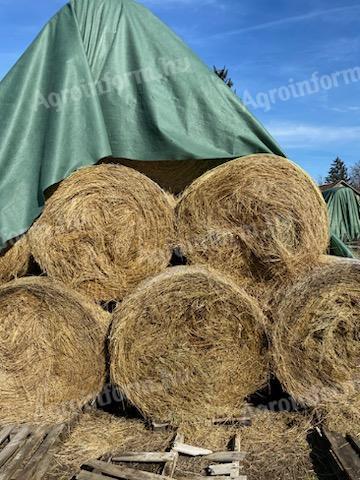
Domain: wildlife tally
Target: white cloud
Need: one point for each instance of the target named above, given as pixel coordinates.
(293, 135)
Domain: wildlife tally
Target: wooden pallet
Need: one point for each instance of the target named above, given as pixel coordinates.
(346, 453)
(222, 465)
(24, 451)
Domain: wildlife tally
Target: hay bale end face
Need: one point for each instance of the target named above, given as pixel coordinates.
(188, 342)
(14, 261)
(52, 358)
(316, 339)
(259, 215)
(104, 230)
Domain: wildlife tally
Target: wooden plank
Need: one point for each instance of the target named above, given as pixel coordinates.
(145, 457)
(191, 451)
(124, 473)
(39, 463)
(84, 475)
(13, 469)
(236, 464)
(355, 443)
(221, 469)
(345, 454)
(225, 457)
(13, 445)
(241, 421)
(170, 467)
(5, 433)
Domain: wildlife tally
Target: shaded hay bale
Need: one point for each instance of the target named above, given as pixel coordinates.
(258, 216)
(316, 338)
(188, 342)
(275, 445)
(52, 357)
(104, 230)
(172, 175)
(14, 261)
(99, 434)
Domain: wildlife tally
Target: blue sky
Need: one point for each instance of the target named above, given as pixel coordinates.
(267, 46)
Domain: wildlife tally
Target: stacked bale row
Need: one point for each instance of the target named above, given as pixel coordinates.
(190, 342)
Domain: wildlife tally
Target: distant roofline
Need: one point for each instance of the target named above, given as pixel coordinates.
(339, 184)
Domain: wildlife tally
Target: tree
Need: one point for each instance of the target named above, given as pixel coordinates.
(355, 176)
(223, 75)
(338, 171)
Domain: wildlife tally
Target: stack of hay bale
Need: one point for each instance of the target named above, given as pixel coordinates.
(187, 344)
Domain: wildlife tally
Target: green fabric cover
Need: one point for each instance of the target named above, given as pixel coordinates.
(344, 213)
(107, 78)
(339, 249)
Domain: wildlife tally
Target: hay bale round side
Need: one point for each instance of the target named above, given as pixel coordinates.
(259, 215)
(188, 342)
(316, 338)
(105, 229)
(172, 175)
(14, 261)
(52, 358)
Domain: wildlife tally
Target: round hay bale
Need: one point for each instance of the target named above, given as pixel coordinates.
(259, 215)
(99, 434)
(343, 416)
(14, 261)
(275, 444)
(172, 175)
(188, 342)
(52, 344)
(316, 338)
(105, 229)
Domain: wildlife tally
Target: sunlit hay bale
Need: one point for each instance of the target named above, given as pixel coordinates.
(275, 446)
(188, 342)
(52, 358)
(14, 261)
(172, 175)
(105, 229)
(316, 338)
(259, 216)
(99, 434)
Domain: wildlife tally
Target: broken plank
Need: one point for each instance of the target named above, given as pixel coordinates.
(190, 450)
(5, 433)
(221, 469)
(121, 472)
(145, 457)
(39, 463)
(225, 457)
(236, 448)
(14, 468)
(169, 467)
(13, 445)
(84, 475)
(345, 454)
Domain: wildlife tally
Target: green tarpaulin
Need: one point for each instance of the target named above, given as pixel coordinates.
(344, 213)
(339, 249)
(107, 78)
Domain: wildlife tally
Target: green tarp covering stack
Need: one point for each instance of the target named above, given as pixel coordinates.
(107, 78)
(344, 212)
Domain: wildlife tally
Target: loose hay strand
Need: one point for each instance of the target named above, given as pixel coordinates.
(188, 342)
(259, 216)
(52, 358)
(105, 229)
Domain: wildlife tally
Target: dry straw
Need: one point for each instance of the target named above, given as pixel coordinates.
(189, 342)
(99, 434)
(259, 215)
(52, 358)
(172, 175)
(316, 340)
(104, 230)
(14, 261)
(275, 444)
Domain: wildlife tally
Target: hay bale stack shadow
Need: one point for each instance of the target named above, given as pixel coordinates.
(188, 343)
(104, 230)
(259, 216)
(52, 351)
